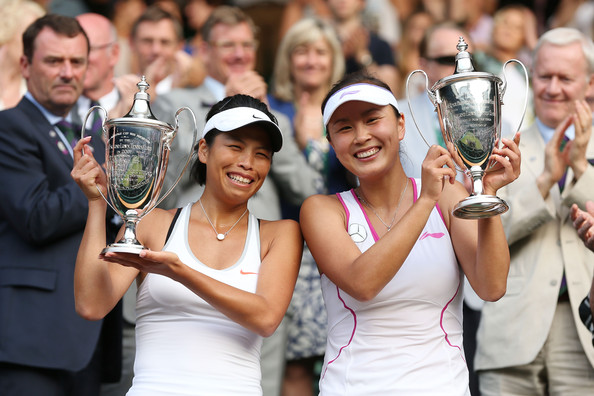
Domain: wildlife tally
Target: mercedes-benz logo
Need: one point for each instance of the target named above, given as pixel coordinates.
(357, 232)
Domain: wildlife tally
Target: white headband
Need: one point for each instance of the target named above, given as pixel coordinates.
(237, 117)
(361, 92)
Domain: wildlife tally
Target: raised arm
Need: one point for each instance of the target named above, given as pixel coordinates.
(98, 285)
(364, 275)
(480, 245)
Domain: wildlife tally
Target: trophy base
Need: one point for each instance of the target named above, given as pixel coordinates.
(123, 248)
(480, 207)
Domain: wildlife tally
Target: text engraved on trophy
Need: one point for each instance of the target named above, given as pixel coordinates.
(135, 155)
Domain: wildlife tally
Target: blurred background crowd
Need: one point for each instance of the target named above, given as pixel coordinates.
(290, 55)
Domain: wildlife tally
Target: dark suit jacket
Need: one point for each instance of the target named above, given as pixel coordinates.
(42, 217)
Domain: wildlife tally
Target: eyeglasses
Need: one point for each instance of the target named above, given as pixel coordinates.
(100, 47)
(229, 46)
(448, 60)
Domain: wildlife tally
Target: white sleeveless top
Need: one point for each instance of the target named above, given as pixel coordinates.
(184, 346)
(408, 339)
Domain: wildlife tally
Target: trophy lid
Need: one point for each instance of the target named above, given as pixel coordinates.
(140, 113)
(463, 59)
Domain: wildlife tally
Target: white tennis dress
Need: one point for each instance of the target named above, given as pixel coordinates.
(184, 345)
(408, 339)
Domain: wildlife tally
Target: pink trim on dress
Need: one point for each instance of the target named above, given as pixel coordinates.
(441, 214)
(441, 323)
(346, 210)
(352, 334)
(375, 236)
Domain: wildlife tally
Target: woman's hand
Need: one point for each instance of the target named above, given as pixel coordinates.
(583, 222)
(148, 261)
(438, 167)
(575, 150)
(86, 172)
(506, 168)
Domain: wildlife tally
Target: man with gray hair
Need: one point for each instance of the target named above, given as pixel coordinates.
(532, 342)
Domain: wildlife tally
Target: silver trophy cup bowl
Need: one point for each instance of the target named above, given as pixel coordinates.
(468, 104)
(137, 148)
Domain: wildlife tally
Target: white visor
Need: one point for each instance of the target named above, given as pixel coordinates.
(237, 117)
(359, 92)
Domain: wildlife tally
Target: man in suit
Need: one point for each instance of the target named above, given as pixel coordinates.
(531, 342)
(229, 54)
(45, 347)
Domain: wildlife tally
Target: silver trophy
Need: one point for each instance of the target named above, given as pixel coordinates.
(137, 150)
(468, 104)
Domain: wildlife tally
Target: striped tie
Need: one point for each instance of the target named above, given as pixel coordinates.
(97, 121)
(70, 131)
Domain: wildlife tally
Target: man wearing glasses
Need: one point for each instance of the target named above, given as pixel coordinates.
(438, 59)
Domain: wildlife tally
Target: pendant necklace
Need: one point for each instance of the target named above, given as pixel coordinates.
(220, 236)
(388, 226)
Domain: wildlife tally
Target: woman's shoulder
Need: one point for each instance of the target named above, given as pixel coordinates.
(285, 225)
(283, 234)
(321, 199)
(321, 207)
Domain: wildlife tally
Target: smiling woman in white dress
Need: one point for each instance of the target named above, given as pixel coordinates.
(214, 279)
(391, 254)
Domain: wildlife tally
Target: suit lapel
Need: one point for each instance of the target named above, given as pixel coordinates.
(47, 130)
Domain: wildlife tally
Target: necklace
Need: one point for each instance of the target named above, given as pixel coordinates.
(220, 236)
(389, 227)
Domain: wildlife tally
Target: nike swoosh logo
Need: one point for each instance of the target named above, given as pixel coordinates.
(436, 235)
(349, 93)
(242, 272)
(258, 118)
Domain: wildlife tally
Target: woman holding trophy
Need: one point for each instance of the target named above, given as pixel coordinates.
(392, 255)
(214, 279)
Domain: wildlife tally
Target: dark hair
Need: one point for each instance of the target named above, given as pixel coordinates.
(60, 24)
(357, 77)
(156, 14)
(198, 171)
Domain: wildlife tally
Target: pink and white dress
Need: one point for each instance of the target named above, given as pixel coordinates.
(408, 339)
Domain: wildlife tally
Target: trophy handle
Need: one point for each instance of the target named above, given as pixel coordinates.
(504, 86)
(190, 155)
(429, 93)
(82, 135)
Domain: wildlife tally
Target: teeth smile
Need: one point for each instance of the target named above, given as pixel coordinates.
(368, 153)
(240, 179)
